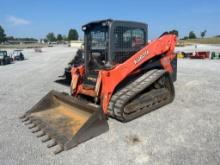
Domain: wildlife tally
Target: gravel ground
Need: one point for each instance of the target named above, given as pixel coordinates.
(198, 47)
(184, 132)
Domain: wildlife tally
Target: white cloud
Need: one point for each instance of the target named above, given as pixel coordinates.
(18, 21)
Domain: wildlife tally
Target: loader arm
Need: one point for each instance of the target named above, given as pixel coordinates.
(163, 45)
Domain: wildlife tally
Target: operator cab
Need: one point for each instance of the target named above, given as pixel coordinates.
(110, 42)
(3, 54)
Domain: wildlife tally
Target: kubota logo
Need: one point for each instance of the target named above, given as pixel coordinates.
(141, 57)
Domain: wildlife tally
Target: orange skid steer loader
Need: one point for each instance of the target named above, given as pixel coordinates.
(122, 76)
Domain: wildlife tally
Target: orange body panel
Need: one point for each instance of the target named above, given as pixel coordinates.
(109, 79)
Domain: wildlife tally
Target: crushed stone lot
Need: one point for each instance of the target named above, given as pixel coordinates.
(184, 132)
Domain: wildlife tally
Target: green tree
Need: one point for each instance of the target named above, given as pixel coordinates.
(2, 34)
(73, 34)
(185, 38)
(64, 37)
(8, 38)
(59, 37)
(192, 35)
(51, 37)
(45, 40)
(202, 34)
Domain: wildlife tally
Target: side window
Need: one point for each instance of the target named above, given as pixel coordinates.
(126, 42)
(137, 37)
(126, 37)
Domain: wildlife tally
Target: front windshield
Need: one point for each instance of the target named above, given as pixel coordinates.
(96, 46)
(2, 53)
(98, 38)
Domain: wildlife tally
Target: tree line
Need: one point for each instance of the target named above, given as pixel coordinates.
(4, 37)
(72, 35)
(50, 37)
(192, 35)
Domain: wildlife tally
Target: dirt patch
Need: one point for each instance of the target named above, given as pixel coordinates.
(132, 139)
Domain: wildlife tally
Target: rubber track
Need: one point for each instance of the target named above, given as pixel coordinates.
(121, 97)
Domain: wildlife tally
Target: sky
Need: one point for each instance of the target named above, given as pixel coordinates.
(36, 18)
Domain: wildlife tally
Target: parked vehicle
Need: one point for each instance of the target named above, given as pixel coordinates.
(199, 55)
(17, 55)
(4, 58)
(38, 50)
(76, 61)
(215, 55)
(50, 44)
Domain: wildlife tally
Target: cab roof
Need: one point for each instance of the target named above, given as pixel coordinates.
(110, 21)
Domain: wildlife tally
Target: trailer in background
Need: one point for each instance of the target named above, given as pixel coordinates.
(199, 55)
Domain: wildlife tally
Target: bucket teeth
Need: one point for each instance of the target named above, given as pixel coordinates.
(53, 143)
(36, 122)
(22, 117)
(28, 122)
(58, 149)
(25, 119)
(36, 130)
(42, 133)
(47, 138)
(32, 126)
(64, 121)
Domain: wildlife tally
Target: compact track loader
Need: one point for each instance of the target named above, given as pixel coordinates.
(122, 77)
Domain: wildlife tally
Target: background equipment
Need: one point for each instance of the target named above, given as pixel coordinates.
(4, 58)
(17, 55)
(75, 62)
